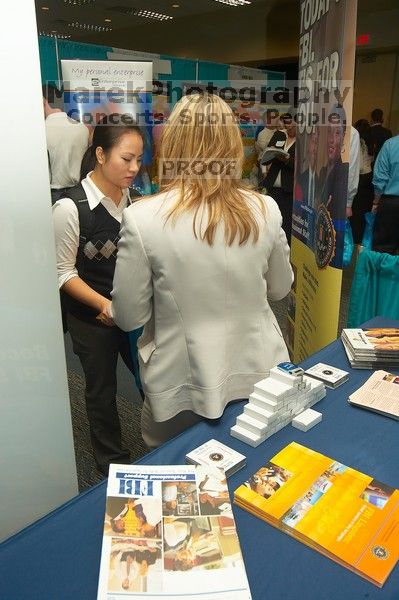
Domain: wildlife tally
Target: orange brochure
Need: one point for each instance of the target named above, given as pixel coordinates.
(344, 514)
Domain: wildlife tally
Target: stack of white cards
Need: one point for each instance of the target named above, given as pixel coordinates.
(307, 419)
(217, 454)
(331, 376)
(273, 404)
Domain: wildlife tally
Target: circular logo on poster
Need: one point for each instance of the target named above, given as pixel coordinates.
(325, 237)
(380, 552)
(216, 456)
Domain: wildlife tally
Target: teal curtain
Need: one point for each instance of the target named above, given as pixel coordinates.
(275, 78)
(374, 290)
(75, 50)
(66, 50)
(182, 70)
(48, 60)
(215, 72)
(133, 337)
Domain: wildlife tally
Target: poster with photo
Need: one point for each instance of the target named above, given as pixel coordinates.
(326, 69)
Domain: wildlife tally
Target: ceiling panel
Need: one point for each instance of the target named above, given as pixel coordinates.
(204, 29)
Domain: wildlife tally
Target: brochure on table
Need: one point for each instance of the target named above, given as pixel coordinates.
(169, 531)
(344, 514)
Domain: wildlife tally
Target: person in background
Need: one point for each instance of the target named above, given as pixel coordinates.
(363, 200)
(354, 169)
(386, 198)
(378, 134)
(271, 121)
(189, 260)
(279, 180)
(309, 179)
(85, 274)
(67, 141)
(334, 174)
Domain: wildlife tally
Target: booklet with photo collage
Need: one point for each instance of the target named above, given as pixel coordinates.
(169, 531)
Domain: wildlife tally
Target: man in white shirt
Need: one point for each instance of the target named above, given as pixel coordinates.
(67, 141)
(271, 120)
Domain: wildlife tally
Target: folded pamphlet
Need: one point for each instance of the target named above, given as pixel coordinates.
(270, 153)
(380, 394)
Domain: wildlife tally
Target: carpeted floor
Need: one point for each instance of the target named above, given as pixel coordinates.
(129, 413)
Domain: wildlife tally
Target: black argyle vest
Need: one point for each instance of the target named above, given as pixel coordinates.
(96, 257)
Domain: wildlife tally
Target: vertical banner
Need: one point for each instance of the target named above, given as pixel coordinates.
(115, 92)
(326, 67)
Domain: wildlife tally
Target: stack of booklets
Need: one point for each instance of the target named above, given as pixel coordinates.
(344, 514)
(169, 532)
(380, 394)
(372, 348)
(216, 454)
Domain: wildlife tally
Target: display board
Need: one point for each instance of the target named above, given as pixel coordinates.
(326, 68)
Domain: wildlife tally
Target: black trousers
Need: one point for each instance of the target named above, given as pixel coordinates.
(362, 203)
(285, 202)
(386, 227)
(98, 347)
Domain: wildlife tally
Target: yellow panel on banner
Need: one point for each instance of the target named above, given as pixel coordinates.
(313, 303)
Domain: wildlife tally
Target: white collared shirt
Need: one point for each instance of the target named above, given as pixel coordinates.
(67, 141)
(67, 230)
(354, 166)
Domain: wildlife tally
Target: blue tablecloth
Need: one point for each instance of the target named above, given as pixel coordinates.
(58, 557)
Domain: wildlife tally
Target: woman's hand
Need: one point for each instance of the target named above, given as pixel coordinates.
(104, 314)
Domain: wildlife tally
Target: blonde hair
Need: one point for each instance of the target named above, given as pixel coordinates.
(202, 130)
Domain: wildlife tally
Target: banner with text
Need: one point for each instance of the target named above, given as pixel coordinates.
(326, 67)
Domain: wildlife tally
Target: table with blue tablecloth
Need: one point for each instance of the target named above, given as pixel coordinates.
(58, 557)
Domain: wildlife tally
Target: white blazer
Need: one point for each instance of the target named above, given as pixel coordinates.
(209, 332)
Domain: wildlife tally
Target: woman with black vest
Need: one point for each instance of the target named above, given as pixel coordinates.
(87, 228)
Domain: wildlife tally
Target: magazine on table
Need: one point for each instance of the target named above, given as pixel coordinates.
(379, 342)
(169, 532)
(368, 362)
(380, 394)
(344, 514)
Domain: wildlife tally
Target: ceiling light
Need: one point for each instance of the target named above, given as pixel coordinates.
(45, 8)
(234, 2)
(53, 34)
(89, 26)
(141, 12)
(108, 20)
(149, 14)
(78, 2)
(175, 5)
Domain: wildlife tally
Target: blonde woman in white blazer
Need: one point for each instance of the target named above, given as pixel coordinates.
(196, 265)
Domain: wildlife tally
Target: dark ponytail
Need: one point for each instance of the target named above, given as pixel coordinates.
(88, 162)
(106, 135)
